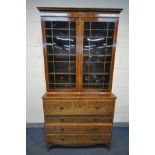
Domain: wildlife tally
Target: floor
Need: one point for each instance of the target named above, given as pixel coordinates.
(35, 144)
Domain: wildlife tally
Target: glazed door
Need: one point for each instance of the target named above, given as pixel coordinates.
(99, 42)
(79, 53)
(60, 53)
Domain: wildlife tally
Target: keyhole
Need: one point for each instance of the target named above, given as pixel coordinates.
(97, 107)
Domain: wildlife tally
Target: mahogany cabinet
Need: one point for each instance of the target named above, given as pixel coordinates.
(79, 50)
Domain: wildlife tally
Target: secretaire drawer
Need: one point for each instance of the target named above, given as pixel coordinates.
(78, 128)
(79, 139)
(55, 107)
(79, 119)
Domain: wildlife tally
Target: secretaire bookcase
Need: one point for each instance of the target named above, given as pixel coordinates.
(79, 50)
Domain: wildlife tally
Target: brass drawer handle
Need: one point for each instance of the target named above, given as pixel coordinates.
(61, 108)
(94, 139)
(97, 107)
(96, 119)
(62, 139)
(62, 129)
(61, 119)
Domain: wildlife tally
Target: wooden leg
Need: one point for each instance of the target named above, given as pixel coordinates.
(109, 146)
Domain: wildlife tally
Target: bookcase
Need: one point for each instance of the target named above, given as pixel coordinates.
(79, 47)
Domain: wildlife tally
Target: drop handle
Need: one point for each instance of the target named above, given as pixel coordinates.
(61, 108)
(62, 129)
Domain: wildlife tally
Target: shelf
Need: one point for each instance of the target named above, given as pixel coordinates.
(96, 62)
(60, 29)
(98, 37)
(61, 54)
(96, 55)
(96, 73)
(61, 83)
(61, 73)
(61, 37)
(96, 83)
(63, 61)
(101, 29)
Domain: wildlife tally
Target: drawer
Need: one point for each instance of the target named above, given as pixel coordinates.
(79, 139)
(79, 119)
(55, 107)
(78, 128)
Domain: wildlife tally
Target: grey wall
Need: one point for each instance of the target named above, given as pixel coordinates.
(35, 63)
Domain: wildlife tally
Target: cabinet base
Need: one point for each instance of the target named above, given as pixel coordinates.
(107, 146)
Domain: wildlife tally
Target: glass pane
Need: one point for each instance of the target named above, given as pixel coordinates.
(96, 78)
(48, 32)
(49, 49)
(60, 33)
(48, 24)
(110, 33)
(60, 24)
(107, 68)
(98, 33)
(72, 25)
(86, 25)
(111, 25)
(96, 67)
(51, 78)
(98, 25)
(61, 53)
(97, 54)
(85, 67)
(73, 79)
(98, 59)
(61, 67)
(72, 46)
(61, 78)
(72, 67)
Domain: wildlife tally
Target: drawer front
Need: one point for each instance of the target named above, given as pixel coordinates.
(79, 119)
(54, 107)
(80, 139)
(78, 128)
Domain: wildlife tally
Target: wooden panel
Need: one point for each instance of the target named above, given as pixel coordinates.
(53, 107)
(79, 119)
(78, 128)
(78, 139)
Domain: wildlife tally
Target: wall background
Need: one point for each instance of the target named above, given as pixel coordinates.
(35, 80)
